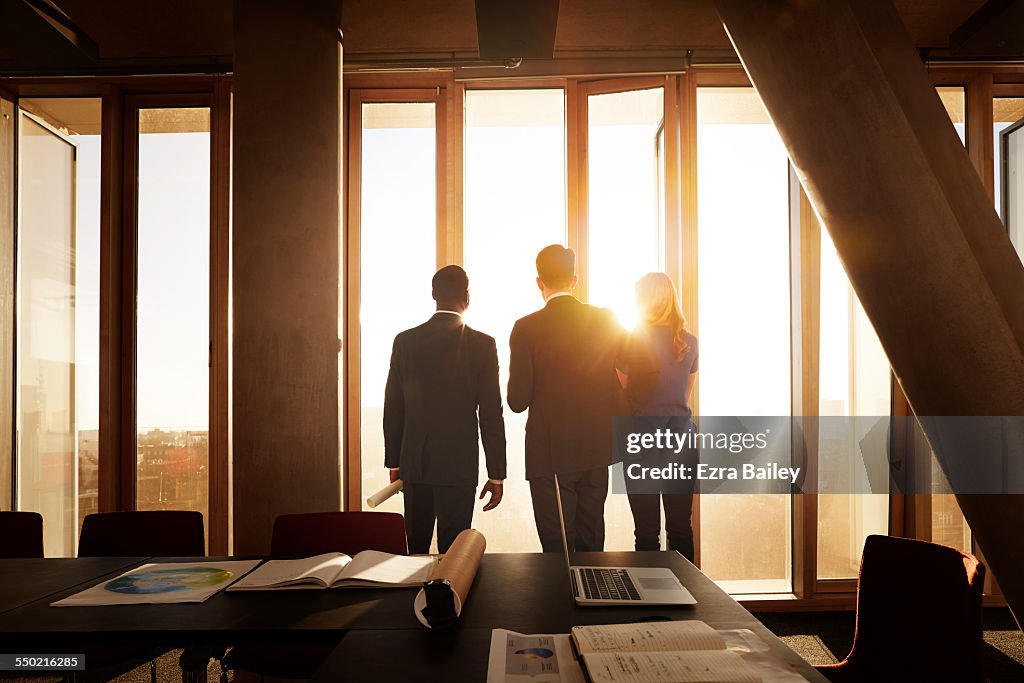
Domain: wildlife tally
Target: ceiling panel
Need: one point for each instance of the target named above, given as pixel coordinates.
(151, 29)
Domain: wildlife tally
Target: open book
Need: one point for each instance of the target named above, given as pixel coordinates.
(336, 570)
(659, 652)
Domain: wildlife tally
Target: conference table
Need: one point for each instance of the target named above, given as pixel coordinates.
(524, 592)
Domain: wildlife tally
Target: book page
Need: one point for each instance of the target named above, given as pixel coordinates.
(372, 566)
(669, 667)
(649, 636)
(309, 572)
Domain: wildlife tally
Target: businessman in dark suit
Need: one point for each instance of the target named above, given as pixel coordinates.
(562, 368)
(443, 375)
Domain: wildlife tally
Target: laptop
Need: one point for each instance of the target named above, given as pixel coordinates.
(620, 585)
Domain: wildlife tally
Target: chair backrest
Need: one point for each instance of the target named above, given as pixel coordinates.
(919, 612)
(166, 533)
(316, 533)
(22, 534)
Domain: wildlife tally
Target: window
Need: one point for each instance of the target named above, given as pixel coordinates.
(854, 381)
(173, 309)
(517, 191)
(58, 315)
(397, 254)
(623, 182)
(514, 150)
(1005, 112)
(744, 322)
(1008, 119)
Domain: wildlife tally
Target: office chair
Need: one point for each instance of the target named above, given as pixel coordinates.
(309, 534)
(919, 615)
(165, 533)
(22, 533)
(316, 533)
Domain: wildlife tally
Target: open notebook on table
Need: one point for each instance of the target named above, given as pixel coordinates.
(659, 652)
(338, 570)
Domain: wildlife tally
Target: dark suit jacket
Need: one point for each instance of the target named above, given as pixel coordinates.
(562, 368)
(442, 373)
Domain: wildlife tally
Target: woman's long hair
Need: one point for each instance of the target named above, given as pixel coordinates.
(658, 305)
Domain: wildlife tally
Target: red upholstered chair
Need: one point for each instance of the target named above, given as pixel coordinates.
(316, 533)
(22, 533)
(918, 615)
(165, 533)
(304, 535)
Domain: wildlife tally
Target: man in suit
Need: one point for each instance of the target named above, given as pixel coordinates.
(562, 368)
(443, 374)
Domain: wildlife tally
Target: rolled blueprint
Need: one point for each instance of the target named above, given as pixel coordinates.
(385, 493)
(439, 603)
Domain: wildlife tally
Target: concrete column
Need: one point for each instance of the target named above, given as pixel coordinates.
(286, 263)
(909, 216)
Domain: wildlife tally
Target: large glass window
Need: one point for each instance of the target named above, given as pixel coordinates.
(854, 380)
(397, 255)
(58, 315)
(744, 322)
(623, 174)
(173, 309)
(514, 203)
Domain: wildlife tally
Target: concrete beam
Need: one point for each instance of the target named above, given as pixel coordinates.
(910, 218)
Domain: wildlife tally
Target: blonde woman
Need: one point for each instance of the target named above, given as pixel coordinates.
(657, 370)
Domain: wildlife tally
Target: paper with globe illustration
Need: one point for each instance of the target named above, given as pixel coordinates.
(163, 583)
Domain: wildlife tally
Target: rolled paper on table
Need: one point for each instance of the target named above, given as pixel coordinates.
(385, 493)
(439, 603)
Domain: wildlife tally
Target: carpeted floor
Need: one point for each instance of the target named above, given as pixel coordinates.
(826, 637)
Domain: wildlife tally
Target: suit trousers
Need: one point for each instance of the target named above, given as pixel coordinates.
(583, 496)
(450, 506)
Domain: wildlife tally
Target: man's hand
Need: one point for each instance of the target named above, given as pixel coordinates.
(395, 474)
(495, 489)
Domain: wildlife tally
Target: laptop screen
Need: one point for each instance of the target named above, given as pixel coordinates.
(565, 542)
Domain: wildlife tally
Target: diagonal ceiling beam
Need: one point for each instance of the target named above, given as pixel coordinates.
(916, 231)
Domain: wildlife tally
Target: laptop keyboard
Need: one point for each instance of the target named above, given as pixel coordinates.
(607, 584)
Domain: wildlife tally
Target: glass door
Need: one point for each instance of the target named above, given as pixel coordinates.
(625, 169)
(1012, 147)
(623, 215)
(47, 451)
